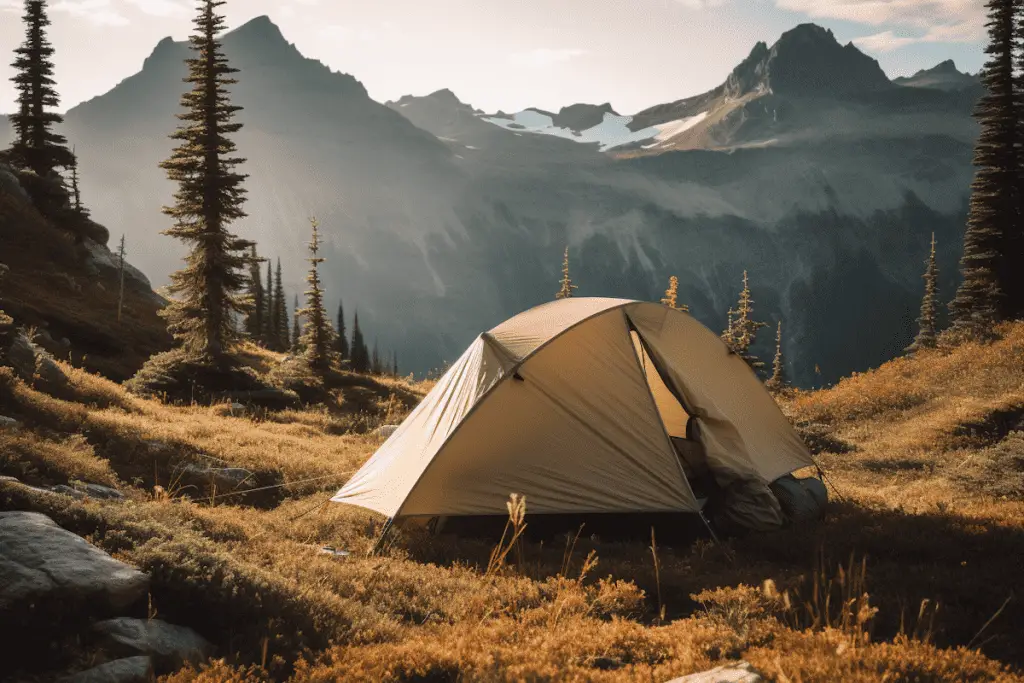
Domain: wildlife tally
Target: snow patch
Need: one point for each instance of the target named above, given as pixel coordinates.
(613, 131)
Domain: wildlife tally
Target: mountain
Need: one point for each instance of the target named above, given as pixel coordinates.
(943, 76)
(441, 221)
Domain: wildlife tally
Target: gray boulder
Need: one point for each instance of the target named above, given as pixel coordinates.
(739, 672)
(218, 479)
(170, 646)
(31, 362)
(129, 670)
(8, 422)
(81, 490)
(42, 563)
(9, 184)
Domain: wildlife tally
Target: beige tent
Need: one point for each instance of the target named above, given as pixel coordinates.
(584, 405)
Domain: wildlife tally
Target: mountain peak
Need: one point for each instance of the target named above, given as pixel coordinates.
(258, 27)
(946, 67)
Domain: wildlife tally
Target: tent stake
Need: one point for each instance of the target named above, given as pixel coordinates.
(711, 531)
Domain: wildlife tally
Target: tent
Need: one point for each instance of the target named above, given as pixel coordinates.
(586, 405)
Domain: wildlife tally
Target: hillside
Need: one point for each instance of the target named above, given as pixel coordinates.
(924, 453)
(69, 292)
(829, 210)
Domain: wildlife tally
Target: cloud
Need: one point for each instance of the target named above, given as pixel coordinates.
(934, 21)
(161, 8)
(886, 41)
(544, 56)
(96, 12)
(702, 4)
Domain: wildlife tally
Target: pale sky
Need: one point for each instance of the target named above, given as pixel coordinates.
(509, 54)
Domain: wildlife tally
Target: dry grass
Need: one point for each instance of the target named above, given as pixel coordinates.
(840, 601)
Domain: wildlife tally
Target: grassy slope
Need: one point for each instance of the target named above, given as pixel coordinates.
(249, 579)
(49, 287)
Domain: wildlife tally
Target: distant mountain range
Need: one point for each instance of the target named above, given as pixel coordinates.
(807, 167)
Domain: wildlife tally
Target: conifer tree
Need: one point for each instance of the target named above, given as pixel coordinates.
(268, 331)
(394, 363)
(318, 336)
(121, 253)
(671, 295)
(343, 351)
(567, 286)
(36, 146)
(78, 210)
(742, 331)
(991, 287)
(254, 321)
(296, 335)
(210, 196)
(927, 322)
(360, 355)
(280, 313)
(778, 381)
(375, 363)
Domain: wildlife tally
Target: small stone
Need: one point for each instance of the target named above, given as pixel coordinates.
(128, 670)
(170, 646)
(8, 423)
(738, 672)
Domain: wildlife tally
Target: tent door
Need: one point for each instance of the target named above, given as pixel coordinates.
(681, 426)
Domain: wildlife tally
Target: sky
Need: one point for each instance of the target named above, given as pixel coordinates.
(509, 54)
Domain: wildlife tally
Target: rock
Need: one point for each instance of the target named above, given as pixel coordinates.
(41, 562)
(66, 491)
(48, 371)
(9, 183)
(170, 646)
(83, 490)
(11, 480)
(129, 670)
(385, 430)
(220, 479)
(31, 362)
(739, 672)
(8, 423)
(237, 409)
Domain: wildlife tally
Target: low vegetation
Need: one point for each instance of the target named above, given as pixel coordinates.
(912, 576)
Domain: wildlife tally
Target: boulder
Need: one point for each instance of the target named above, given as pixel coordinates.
(738, 672)
(218, 479)
(82, 490)
(385, 431)
(31, 362)
(169, 646)
(129, 670)
(42, 564)
(9, 184)
(8, 422)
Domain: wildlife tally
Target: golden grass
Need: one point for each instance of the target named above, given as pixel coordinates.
(255, 583)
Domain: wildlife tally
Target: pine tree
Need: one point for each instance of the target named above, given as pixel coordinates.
(280, 313)
(318, 336)
(360, 355)
(742, 331)
(121, 253)
(36, 146)
(927, 323)
(394, 364)
(78, 211)
(992, 224)
(375, 363)
(254, 321)
(671, 295)
(567, 286)
(778, 381)
(210, 196)
(342, 343)
(296, 334)
(268, 332)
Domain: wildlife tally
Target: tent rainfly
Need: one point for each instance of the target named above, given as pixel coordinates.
(583, 405)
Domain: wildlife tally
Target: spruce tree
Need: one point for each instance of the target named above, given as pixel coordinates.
(78, 211)
(342, 348)
(210, 196)
(567, 286)
(360, 354)
(296, 334)
(376, 368)
(927, 322)
(36, 146)
(991, 286)
(121, 253)
(280, 314)
(742, 330)
(778, 381)
(254, 321)
(671, 295)
(394, 364)
(268, 333)
(318, 336)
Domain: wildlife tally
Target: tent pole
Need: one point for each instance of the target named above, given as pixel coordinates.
(383, 535)
(825, 477)
(707, 524)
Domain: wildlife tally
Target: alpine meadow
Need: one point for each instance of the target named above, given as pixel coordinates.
(303, 378)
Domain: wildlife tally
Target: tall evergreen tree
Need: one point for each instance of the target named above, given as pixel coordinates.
(376, 367)
(318, 336)
(78, 210)
(280, 313)
(742, 331)
(394, 363)
(36, 146)
(360, 354)
(672, 294)
(567, 286)
(343, 351)
(991, 287)
(927, 322)
(121, 253)
(210, 196)
(268, 332)
(254, 320)
(296, 336)
(778, 381)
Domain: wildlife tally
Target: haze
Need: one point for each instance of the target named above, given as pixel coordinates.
(511, 55)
